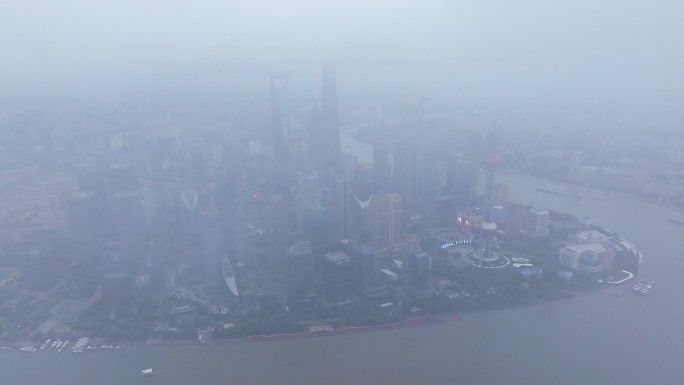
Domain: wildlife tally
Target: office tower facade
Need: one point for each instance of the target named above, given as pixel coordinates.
(280, 130)
(308, 194)
(359, 201)
(329, 119)
(349, 163)
(188, 200)
(362, 185)
(433, 176)
(462, 181)
(367, 264)
(386, 220)
(536, 222)
(404, 174)
(323, 128)
(316, 141)
(225, 203)
(338, 275)
(277, 228)
(211, 251)
(339, 207)
(359, 215)
(300, 270)
(130, 224)
(381, 169)
(318, 228)
(416, 269)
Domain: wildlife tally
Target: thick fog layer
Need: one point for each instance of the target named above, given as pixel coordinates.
(617, 56)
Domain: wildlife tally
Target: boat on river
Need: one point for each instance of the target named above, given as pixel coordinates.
(147, 372)
(28, 349)
(643, 287)
(45, 344)
(80, 345)
(64, 345)
(549, 191)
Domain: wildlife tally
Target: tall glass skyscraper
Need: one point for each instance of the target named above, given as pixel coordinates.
(280, 126)
(323, 128)
(330, 122)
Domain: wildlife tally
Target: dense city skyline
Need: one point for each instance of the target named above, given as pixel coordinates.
(496, 186)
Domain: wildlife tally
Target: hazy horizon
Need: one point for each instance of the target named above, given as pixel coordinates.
(616, 58)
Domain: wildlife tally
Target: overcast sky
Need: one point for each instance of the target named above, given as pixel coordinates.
(605, 50)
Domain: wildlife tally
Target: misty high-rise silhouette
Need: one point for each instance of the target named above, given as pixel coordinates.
(323, 127)
(280, 126)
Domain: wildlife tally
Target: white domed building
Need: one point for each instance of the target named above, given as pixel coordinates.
(592, 257)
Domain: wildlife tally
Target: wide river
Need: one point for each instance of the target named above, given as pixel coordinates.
(592, 339)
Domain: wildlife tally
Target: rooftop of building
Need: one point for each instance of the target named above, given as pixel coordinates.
(337, 257)
(451, 234)
(590, 235)
(538, 211)
(593, 246)
(361, 247)
(300, 248)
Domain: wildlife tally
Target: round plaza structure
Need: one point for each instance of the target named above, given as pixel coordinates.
(488, 255)
(452, 237)
(496, 260)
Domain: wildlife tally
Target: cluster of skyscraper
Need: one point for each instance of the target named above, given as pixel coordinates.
(351, 218)
(318, 213)
(171, 209)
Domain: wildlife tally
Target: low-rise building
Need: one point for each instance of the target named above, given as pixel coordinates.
(338, 275)
(536, 222)
(592, 257)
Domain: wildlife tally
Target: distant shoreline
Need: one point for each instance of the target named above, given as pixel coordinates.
(410, 322)
(423, 320)
(623, 194)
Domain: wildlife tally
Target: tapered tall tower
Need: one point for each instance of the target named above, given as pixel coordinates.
(491, 163)
(280, 127)
(488, 228)
(329, 118)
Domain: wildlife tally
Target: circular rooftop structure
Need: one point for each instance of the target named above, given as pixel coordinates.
(451, 234)
(495, 260)
(300, 248)
(590, 258)
(453, 237)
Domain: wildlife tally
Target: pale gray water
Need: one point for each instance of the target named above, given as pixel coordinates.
(594, 339)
